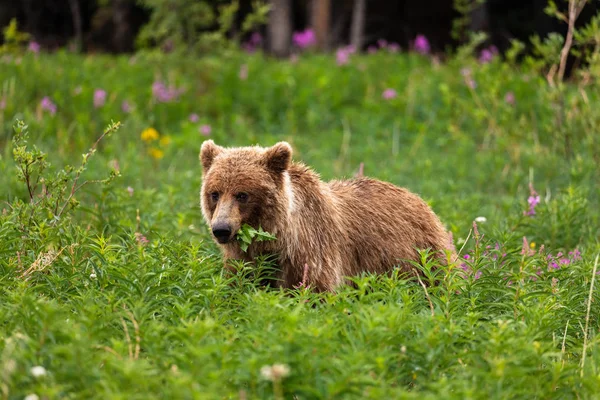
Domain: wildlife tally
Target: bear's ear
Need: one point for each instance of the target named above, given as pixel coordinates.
(278, 157)
(208, 152)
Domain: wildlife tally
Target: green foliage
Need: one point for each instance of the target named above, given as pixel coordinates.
(189, 25)
(125, 295)
(13, 38)
(247, 234)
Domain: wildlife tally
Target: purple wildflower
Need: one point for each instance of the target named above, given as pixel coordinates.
(382, 43)
(194, 118)
(488, 54)
(371, 49)
(205, 130)
(509, 98)
(342, 55)
(533, 200)
(477, 275)
(421, 44)
(34, 47)
(141, 239)
(254, 42)
(47, 105)
(466, 257)
(126, 107)
(304, 39)
(164, 94)
(99, 97)
(389, 94)
(575, 255)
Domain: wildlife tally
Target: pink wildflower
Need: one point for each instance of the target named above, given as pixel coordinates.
(126, 107)
(342, 55)
(2, 103)
(141, 239)
(99, 97)
(304, 39)
(488, 54)
(421, 44)
(509, 98)
(205, 130)
(533, 200)
(34, 47)
(47, 105)
(389, 94)
(194, 118)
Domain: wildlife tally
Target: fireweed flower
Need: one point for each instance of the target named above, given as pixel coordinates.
(205, 130)
(99, 97)
(141, 239)
(47, 105)
(126, 107)
(533, 200)
(488, 54)
(509, 98)
(149, 135)
(34, 47)
(253, 43)
(304, 39)
(342, 55)
(382, 43)
(389, 94)
(194, 118)
(421, 45)
(164, 94)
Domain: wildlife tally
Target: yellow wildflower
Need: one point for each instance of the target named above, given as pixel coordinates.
(156, 153)
(149, 134)
(165, 140)
(532, 245)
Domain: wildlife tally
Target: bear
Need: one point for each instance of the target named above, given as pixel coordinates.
(325, 231)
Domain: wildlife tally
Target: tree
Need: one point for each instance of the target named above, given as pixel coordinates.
(280, 27)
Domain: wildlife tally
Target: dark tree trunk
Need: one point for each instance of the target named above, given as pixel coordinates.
(358, 24)
(121, 35)
(280, 28)
(77, 24)
(320, 17)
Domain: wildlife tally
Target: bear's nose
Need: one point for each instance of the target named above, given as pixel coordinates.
(222, 232)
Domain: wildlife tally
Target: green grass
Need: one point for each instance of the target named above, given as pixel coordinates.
(110, 316)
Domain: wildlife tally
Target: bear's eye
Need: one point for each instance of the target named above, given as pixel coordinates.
(214, 196)
(242, 197)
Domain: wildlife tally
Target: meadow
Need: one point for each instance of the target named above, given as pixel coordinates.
(111, 287)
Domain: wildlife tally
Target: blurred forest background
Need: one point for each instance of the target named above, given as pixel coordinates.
(115, 25)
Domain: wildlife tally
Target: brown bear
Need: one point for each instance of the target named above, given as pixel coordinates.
(336, 229)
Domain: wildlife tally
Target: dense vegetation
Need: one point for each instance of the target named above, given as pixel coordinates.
(114, 289)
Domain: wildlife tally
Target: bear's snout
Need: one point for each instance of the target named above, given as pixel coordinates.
(222, 232)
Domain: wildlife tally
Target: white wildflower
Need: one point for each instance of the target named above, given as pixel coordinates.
(92, 275)
(275, 372)
(481, 219)
(38, 371)
(31, 396)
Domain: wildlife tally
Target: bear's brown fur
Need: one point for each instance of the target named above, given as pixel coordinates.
(338, 229)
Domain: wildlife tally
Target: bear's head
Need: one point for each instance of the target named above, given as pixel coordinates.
(244, 185)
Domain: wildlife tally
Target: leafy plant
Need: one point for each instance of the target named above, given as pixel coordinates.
(247, 234)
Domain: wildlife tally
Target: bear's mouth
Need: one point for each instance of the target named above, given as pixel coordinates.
(222, 240)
